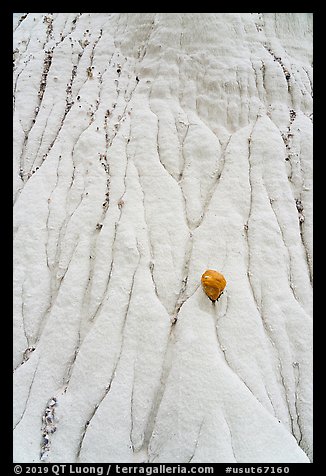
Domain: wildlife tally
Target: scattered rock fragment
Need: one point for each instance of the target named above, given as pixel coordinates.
(48, 428)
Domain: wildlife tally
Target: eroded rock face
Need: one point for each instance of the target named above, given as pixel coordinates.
(147, 149)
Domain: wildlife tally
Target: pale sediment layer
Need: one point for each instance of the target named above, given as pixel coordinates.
(147, 149)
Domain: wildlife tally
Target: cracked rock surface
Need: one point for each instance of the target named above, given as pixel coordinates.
(149, 147)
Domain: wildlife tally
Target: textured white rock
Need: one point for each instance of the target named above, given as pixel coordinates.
(148, 148)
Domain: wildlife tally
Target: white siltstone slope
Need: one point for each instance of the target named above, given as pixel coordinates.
(149, 147)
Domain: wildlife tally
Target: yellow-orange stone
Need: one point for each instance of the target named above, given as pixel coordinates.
(213, 283)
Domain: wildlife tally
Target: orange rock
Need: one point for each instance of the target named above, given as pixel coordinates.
(213, 283)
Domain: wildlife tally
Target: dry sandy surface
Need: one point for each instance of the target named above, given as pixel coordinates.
(149, 148)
